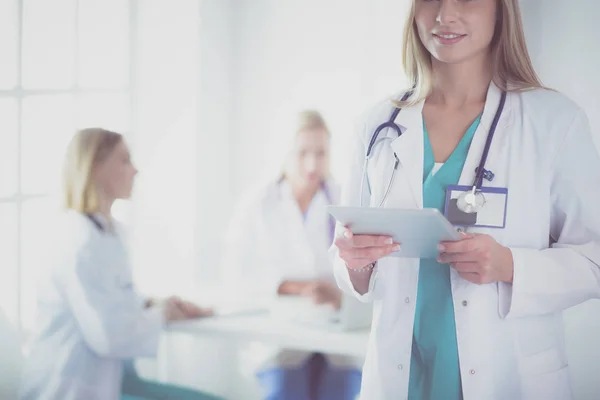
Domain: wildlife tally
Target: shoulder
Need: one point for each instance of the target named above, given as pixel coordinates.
(376, 115)
(75, 229)
(549, 108)
(76, 238)
(548, 120)
(334, 190)
(260, 195)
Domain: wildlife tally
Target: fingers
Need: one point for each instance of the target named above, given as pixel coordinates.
(349, 240)
(460, 246)
(364, 256)
(193, 311)
(472, 256)
(467, 268)
(205, 312)
(173, 312)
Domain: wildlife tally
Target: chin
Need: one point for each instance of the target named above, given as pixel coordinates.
(125, 196)
(451, 57)
(313, 180)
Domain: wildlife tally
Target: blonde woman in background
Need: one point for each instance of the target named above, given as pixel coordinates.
(483, 320)
(91, 321)
(277, 246)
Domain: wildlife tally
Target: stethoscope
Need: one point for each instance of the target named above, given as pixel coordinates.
(468, 202)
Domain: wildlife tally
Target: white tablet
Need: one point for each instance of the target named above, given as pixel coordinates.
(419, 231)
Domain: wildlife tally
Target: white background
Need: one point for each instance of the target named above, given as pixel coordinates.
(205, 91)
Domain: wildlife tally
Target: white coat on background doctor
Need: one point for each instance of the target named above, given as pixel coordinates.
(277, 245)
(507, 286)
(90, 318)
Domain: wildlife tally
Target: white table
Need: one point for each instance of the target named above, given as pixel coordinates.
(237, 330)
(263, 327)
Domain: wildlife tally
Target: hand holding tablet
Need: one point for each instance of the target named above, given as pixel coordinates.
(376, 231)
(361, 251)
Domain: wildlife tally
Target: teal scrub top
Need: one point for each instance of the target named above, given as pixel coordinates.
(434, 370)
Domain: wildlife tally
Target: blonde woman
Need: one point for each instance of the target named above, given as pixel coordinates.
(484, 319)
(277, 246)
(91, 320)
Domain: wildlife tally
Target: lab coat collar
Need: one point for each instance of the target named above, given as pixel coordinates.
(409, 147)
(102, 220)
(492, 102)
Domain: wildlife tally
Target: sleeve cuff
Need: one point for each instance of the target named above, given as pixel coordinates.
(512, 301)
(345, 283)
(156, 323)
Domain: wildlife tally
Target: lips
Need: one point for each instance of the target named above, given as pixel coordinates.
(448, 38)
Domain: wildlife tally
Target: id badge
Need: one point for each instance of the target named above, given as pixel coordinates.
(491, 211)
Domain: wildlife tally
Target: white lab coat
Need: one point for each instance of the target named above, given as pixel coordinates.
(268, 242)
(510, 337)
(89, 317)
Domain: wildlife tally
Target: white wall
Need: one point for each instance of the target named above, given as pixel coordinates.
(263, 60)
(337, 55)
(563, 37)
(182, 131)
(342, 55)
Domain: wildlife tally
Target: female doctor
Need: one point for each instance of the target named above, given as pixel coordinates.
(90, 318)
(277, 245)
(484, 319)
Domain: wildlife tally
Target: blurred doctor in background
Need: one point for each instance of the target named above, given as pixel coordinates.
(277, 245)
(91, 321)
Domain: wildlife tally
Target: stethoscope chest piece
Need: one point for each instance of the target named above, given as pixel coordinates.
(471, 202)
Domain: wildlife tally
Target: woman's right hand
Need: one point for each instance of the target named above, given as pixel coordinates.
(172, 311)
(176, 309)
(359, 251)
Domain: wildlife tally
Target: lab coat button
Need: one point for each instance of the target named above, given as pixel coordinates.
(465, 303)
(472, 372)
(407, 300)
(400, 367)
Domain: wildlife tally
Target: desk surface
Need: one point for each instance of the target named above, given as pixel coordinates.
(266, 328)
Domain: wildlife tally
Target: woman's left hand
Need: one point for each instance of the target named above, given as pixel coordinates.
(478, 259)
(323, 292)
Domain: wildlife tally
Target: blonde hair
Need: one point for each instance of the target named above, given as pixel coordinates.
(310, 120)
(306, 120)
(87, 149)
(512, 67)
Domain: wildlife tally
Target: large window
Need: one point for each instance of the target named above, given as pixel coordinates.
(66, 64)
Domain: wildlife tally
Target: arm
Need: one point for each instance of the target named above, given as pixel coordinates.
(568, 273)
(293, 287)
(359, 283)
(108, 312)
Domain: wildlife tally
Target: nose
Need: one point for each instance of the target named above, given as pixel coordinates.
(310, 164)
(448, 12)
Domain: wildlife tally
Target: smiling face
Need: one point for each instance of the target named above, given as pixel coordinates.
(456, 31)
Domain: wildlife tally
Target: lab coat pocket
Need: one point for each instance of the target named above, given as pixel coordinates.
(553, 385)
(543, 363)
(535, 334)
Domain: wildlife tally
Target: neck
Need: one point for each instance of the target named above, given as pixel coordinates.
(303, 192)
(457, 85)
(105, 207)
